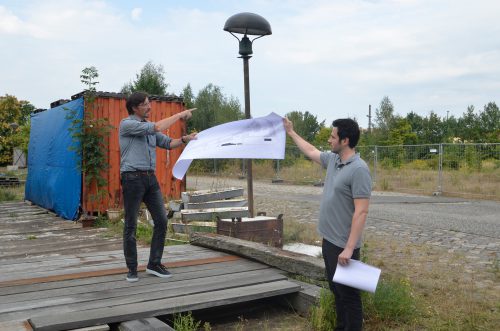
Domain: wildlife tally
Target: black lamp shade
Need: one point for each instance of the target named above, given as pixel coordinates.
(249, 24)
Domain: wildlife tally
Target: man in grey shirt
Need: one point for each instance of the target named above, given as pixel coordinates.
(138, 141)
(343, 210)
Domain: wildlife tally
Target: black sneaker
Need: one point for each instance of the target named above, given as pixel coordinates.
(158, 270)
(132, 276)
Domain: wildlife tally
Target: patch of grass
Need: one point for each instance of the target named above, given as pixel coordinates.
(393, 303)
(7, 194)
(305, 233)
(323, 316)
(31, 237)
(101, 222)
(185, 322)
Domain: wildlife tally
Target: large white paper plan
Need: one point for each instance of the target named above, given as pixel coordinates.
(358, 275)
(256, 138)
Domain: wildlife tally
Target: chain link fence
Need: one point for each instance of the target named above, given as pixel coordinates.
(462, 170)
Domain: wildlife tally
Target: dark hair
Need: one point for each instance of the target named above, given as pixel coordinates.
(134, 100)
(347, 128)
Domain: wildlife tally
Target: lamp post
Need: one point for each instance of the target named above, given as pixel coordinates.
(253, 25)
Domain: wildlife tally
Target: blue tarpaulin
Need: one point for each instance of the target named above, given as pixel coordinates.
(54, 179)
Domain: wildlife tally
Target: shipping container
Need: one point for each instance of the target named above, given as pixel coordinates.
(111, 106)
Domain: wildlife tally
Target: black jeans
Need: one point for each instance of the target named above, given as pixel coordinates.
(141, 187)
(347, 299)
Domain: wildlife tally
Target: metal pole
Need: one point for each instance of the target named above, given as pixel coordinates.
(440, 170)
(248, 116)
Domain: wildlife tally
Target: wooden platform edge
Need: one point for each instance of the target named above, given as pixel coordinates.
(162, 307)
(292, 262)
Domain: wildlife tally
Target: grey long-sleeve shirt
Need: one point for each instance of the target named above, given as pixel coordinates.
(138, 142)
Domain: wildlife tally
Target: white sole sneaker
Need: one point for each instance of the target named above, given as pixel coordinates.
(152, 272)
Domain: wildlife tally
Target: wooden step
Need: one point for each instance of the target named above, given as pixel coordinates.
(212, 213)
(211, 195)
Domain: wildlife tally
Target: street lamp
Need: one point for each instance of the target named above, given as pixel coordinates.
(253, 25)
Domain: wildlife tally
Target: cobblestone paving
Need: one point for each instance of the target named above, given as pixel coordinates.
(392, 216)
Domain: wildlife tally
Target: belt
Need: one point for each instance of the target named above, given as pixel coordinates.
(140, 172)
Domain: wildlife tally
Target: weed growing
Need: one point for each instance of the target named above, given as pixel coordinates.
(323, 316)
(7, 194)
(186, 322)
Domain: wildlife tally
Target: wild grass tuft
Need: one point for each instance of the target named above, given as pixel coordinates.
(393, 302)
(7, 195)
(186, 322)
(323, 316)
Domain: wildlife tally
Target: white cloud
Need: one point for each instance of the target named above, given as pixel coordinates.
(136, 14)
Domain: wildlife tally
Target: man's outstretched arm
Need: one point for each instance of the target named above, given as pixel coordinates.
(309, 150)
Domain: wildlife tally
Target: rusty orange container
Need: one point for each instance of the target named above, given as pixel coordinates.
(111, 106)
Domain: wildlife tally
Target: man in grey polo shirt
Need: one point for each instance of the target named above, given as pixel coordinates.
(343, 210)
(138, 141)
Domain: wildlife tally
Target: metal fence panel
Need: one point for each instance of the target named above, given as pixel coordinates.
(465, 170)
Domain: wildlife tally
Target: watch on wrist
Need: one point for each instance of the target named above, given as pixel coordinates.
(183, 141)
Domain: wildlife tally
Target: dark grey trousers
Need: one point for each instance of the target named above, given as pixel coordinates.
(141, 187)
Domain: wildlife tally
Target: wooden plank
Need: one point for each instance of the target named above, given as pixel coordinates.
(91, 245)
(296, 263)
(213, 213)
(211, 195)
(70, 302)
(123, 270)
(62, 321)
(100, 262)
(229, 203)
(98, 269)
(188, 251)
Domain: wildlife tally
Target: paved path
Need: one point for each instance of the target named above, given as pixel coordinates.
(470, 227)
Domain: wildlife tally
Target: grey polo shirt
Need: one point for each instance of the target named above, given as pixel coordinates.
(344, 182)
(138, 142)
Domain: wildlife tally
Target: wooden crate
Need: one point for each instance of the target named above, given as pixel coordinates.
(263, 229)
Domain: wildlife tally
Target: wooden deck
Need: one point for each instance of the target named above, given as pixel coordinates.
(55, 275)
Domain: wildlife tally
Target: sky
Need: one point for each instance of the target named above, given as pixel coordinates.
(332, 58)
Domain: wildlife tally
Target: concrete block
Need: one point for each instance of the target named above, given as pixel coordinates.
(145, 324)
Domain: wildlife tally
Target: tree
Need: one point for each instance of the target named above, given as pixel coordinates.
(151, 79)
(187, 95)
(14, 126)
(384, 115)
(213, 108)
(321, 138)
(305, 124)
(489, 120)
(468, 126)
(416, 122)
(433, 131)
(401, 133)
